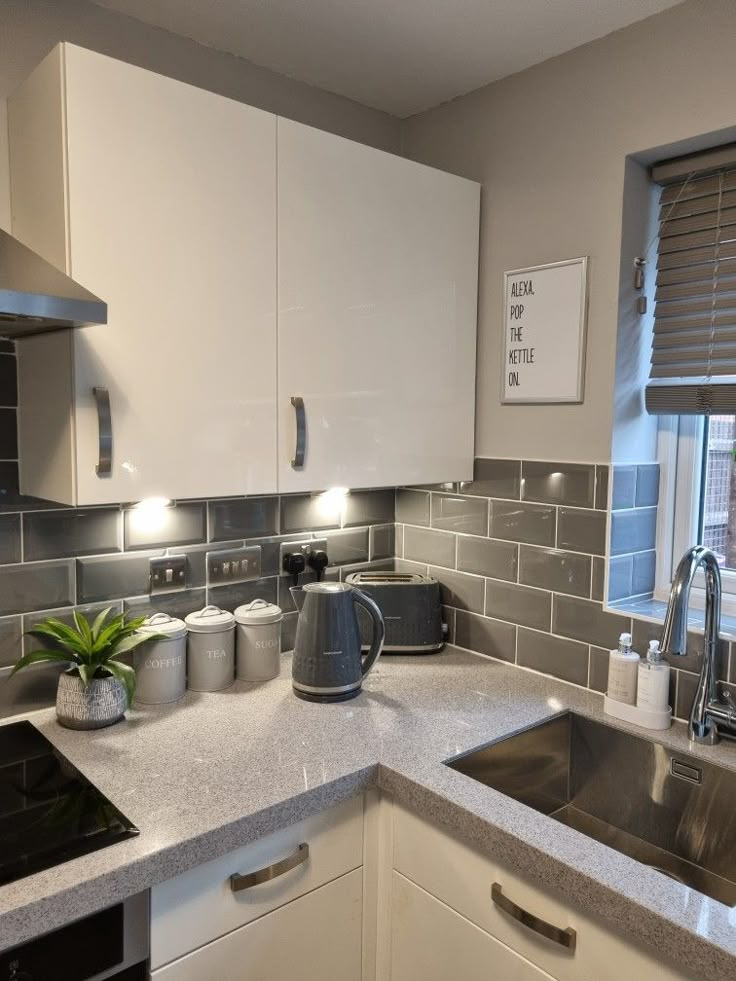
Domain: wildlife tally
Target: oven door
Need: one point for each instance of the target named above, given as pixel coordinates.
(111, 944)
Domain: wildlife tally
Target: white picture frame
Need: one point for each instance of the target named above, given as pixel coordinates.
(545, 323)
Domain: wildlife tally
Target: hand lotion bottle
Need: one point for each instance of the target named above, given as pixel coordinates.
(653, 691)
(622, 672)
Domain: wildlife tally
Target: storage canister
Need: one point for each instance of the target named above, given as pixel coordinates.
(210, 649)
(161, 664)
(258, 641)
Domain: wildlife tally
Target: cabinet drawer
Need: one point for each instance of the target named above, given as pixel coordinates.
(200, 905)
(315, 938)
(431, 942)
(462, 878)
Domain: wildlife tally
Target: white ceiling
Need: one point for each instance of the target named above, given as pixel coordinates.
(402, 56)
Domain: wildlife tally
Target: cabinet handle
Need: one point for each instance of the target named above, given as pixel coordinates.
(564, 937)
(301, 432)
(104, 425)
(239, 882)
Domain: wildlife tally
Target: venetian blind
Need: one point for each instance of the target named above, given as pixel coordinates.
(693, 362)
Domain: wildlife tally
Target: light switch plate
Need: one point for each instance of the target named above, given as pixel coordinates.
(168, 573)
(233, 565)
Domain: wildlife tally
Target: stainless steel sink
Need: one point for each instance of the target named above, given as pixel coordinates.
(666, 809)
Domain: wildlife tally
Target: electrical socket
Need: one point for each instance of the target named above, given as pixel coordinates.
(167, 573)
(233, 565)
(305, 547)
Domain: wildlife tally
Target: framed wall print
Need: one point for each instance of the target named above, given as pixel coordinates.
(545, 314)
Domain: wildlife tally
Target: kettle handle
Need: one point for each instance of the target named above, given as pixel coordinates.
(379, 629)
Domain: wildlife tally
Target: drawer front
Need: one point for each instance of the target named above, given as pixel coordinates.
(431, 942)
(462, 878)
(201, 905)
(315, 938)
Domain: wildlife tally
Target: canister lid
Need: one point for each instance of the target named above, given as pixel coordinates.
(209, 620)
(162, 623)
(259, 611)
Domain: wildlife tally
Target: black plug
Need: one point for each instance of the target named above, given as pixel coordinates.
(294, 564)
(318, 561)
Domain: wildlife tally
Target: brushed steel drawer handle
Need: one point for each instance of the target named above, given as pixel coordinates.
(564, 937)
(239, 882)
(301, 432)
(104, 424)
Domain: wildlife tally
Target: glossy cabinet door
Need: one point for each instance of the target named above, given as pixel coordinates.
(378, 267)
(431, 942)
(169, 212)
(314, 938)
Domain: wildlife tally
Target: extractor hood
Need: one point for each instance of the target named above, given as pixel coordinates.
(36, 297)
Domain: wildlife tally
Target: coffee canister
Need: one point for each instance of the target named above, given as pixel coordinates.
(210, 649)
(161, 664)
(258, 641)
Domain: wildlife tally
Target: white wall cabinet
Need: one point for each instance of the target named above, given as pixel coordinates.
(237, 276)
(378, 271)
(161, 199)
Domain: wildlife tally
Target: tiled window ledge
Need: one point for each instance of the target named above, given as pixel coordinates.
(654, 611)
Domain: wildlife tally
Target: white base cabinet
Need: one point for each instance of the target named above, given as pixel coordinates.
(315, 938)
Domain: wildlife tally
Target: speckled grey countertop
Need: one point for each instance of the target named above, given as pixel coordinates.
(217, 771)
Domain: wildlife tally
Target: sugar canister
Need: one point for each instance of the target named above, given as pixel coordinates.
(258, 641)
(161, 664)
(210, 649)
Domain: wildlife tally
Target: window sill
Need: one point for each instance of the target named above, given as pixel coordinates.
(654, 611)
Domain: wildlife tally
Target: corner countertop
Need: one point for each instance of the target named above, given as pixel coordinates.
(219, 770)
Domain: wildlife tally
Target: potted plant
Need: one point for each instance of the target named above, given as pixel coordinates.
(98, 687)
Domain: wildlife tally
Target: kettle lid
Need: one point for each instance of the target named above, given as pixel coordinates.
(327, 587)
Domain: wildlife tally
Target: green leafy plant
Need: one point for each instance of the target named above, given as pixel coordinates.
(92, 649)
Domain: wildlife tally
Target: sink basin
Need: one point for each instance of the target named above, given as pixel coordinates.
(668, 810)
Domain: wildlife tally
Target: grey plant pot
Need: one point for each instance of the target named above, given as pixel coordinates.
(99, 704)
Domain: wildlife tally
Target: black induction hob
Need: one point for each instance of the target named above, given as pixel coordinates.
(49, 812)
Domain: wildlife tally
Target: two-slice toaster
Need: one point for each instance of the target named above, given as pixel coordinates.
(411, 608)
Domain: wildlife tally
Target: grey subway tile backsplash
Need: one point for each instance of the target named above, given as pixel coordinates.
(430, 546)
(644, 568)
(382, 542)
(305, 512)
(647, 485)
(587, 621)
(184, 524)
(598, 669)
(494, 478)
(29, 690)
(566, 659)
(558, 483)
(249, 517)
(597, 584)
(70, 532)
(102, 577)
(231, 596)
(9, 538)
(488, 557)
(11, 637)
(460, 590)
(494, 638)
(370, 507)
(36, 586)
(452, 512)
(620, 575)
(563, 572)
(633, 531)
(624, 487)
(602, 477)
(644, 631)
(66, 615)
(523, 522)
(350, 546)
(519, 604)
(582, 531)
(177, 604)
(412, 507)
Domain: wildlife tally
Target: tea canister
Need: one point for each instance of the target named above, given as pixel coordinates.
(161, 664)
(258, 641)
(210, 649)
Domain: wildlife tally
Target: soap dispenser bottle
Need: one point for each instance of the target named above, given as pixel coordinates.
(653, 690)
(622, 672)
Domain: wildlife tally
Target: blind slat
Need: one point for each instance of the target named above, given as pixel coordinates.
(693, 358)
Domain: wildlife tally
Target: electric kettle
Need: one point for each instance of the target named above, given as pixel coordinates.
(327, 664)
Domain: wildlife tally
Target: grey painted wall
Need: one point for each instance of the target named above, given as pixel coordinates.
(550, 147)
(30, 28)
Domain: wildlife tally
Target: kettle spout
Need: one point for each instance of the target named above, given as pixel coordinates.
(297, 594)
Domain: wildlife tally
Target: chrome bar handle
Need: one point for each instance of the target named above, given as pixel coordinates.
(566, 937)
(299, 857)
(301, 432)
(104, 424)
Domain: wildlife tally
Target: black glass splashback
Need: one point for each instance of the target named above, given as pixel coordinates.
(49, 812)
